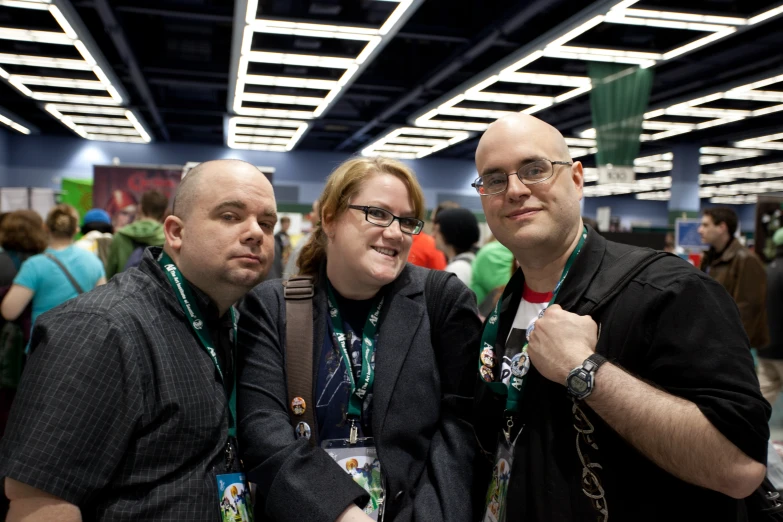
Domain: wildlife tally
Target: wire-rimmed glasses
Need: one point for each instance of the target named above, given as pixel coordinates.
(532, 172)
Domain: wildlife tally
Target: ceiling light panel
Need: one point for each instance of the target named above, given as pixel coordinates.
(83, 84)
(16, 123)
(414, 142)
(527, 67)
(269, 96)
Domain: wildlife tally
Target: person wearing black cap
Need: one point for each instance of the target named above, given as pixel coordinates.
(455, 234)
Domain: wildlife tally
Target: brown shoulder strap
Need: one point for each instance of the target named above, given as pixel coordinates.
(298, 294)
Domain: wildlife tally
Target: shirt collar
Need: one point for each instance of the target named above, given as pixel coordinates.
(208, 308)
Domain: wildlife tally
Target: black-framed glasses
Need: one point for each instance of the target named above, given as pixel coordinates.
(532, 172)
(383, 218)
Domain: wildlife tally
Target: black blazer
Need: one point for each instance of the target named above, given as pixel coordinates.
(421, 403)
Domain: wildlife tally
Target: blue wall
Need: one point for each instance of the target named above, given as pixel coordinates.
(656, 213)
(42, 161)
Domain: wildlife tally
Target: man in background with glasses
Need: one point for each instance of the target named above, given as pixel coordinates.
(615, 381)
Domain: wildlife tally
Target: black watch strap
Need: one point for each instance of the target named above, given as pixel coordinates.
(593, 362)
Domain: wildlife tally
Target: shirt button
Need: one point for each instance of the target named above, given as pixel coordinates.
(398, 496)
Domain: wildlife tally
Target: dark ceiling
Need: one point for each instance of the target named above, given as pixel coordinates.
(176, 64)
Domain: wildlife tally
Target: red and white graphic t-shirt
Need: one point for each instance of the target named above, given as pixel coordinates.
(531, 305)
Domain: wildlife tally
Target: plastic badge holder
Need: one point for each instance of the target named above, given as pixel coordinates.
(360, 461)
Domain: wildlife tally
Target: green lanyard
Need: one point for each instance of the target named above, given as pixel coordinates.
(189, 306)
(367, 374)
(516, 384)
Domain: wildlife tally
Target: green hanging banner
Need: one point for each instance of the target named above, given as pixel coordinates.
(618, 101)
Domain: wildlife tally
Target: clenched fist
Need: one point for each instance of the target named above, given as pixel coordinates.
(560, 342)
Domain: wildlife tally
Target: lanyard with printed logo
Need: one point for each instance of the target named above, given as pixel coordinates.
(520, 363)
(192, 312)
(367, 374)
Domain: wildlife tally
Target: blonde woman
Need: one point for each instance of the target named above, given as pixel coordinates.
(418, 374)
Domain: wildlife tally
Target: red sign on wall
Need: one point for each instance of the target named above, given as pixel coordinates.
(118, 189)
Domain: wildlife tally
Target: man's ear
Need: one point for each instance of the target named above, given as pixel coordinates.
(578, 177)
(174, 230)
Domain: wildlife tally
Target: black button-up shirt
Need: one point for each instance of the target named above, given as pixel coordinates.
(120, 410)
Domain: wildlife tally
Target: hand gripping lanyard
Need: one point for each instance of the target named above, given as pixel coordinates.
(516, 383)
(189, 306)
(367, 374)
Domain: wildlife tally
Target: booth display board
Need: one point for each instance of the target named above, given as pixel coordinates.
(77, 193)
(27, 198)
(118, 189)
(686, 235)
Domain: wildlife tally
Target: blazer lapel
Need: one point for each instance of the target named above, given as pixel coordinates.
(400, 323)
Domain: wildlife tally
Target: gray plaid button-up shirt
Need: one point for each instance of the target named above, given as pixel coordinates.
(120, 410)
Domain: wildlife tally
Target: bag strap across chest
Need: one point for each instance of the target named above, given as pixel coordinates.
(298, 293)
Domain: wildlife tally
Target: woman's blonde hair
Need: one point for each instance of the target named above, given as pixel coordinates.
(341, 186)
(62, 221)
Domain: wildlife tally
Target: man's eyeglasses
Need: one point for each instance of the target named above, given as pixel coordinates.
(384, 218)
(530, 173)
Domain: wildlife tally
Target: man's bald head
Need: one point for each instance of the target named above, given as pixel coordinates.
(191, 185)
(522, 127)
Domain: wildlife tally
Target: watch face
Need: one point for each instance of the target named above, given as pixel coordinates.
(577, 384)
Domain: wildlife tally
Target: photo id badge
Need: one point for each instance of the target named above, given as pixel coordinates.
(498, 487)
(234, 498)
(360, 461)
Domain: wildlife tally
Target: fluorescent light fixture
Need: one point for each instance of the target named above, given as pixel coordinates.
(18, 127)
(66, 27)
(299, 83)
(88, 109)
(308, 29)
(766, 15)
(395, 17)
(91, 120)
(375, 37)
(68, 105)
(770, 96)
(26, 35)
(500, 97)
(557, 46)
(137, 125)
(558, 80)
(281, 99)
(73, 98)
(126, 131)
(620, 18)
(59, 82)
(701, 42)
(330, 62)
(408, 140)
(44, 61)
(580, 142)
(570, 35)
(527, 60)
(23, 5)
(685, 17)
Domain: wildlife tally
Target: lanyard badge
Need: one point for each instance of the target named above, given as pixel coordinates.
(520, 363)
(358, 456)
(192, 312)
(367, 374)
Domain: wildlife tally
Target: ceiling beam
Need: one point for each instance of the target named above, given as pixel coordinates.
(452, 65)
(165, 13)
(117, 35)
(174, 82)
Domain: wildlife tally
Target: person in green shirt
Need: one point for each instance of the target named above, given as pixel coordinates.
(491, 269)
(130, 241)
